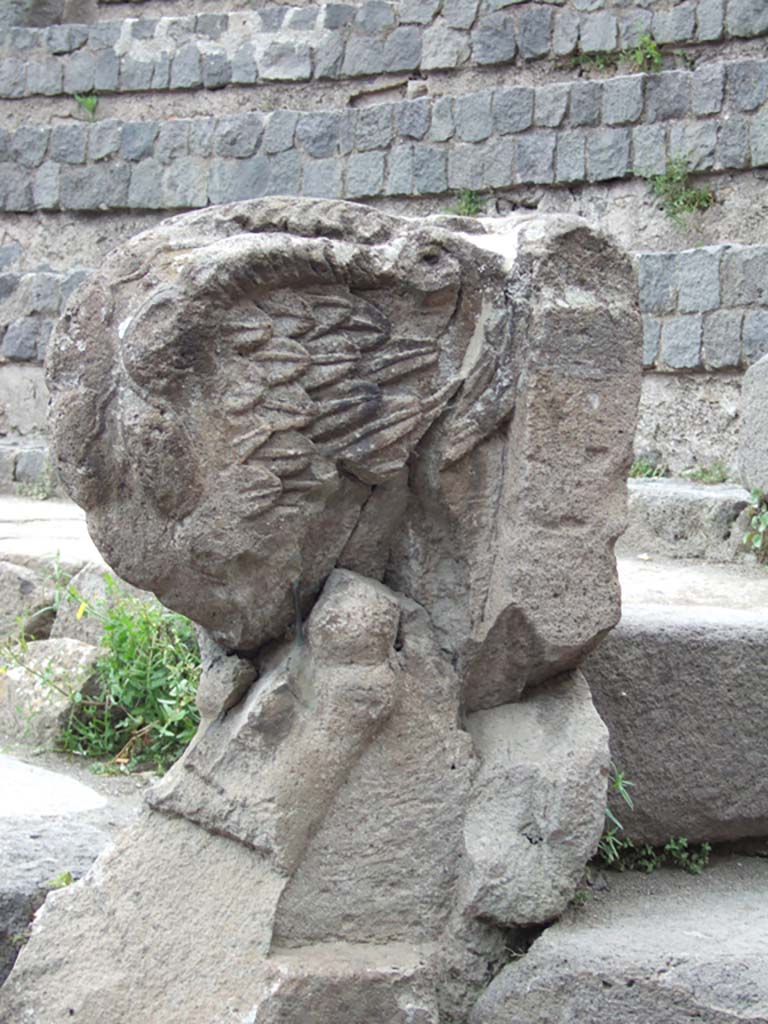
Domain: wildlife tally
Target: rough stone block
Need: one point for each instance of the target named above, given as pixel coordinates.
(106, 71)
(286, 61)
(632, 26)
(302, 19)
(676, 25)
(8, 284)
(375, 16)
(102, 35)
(171, 142)
(565, 36)
(747, 18)
(753, 429)
(430, 170)
(649, 149)
(318, 134)
(651, 340)
(45, 188)
(400, 170)
(329, 57)
(322, 178)
(185, 183)
(79, 71)
(466, 166)
(138, 140)
(373, 126)
(570, 157)
(16, 188)
(44, 77)
(201, 133)
(38, 293)
(585, 103)
(608, 153)
(136, 75)
(622, 99)
(499, 163)
(21, 338)
(285, 173)
(238, 135)
(697, 278)
(186, 68)
(747, 84)
(721, 339)
(442, 47)
(244, 70)
(217, 69)
(512, 109)
(442, 127)
(279, 131)
(755, 335)
(213, 26)
(494, 39)
(745, 276)
(759, 138)
(66, 38)
(68, 143)
(709, 20)
(459, 13)
(472, 116)
(534, 158)
(681, 342)
(101, 187)
(667, 95)
(419, 12)
(413, 118)
(599, 32)
(365, 174)
(733, 149)
(698, 140)
(550, 105)
(402, 49)
(534, 28)
(29, 145)
(231, 180)
(707, 89)
(656, 281)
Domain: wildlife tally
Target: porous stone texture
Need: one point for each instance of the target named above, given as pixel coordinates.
(38, 686)
(684, 693)
(26, 602)
(753, 431)
(263, 500)
(667, 947)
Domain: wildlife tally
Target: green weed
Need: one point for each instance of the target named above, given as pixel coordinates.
(756, 537)
(642, 469)
(646, 54)
(469, 204)
(674, 193)
(88, 101)
(717, 473)
(60, 881)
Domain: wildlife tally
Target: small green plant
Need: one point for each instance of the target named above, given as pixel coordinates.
(675, 194)
(42, 488)
(88, 101)
(690, 858)
(646, 54)
(469, 204)
(144, 713)
(580, 898)
(645, 469)
(60, 881)
(19, 939)
(717, 473)
(756, 537)
(598, 60)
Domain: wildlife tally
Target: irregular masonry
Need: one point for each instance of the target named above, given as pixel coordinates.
(292, 391)
(753, 457)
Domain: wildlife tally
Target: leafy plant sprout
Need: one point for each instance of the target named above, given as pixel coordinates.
(756, 537)
(88, 101)
(674, 193)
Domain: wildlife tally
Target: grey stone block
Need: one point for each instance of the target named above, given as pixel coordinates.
(721, 338)
(402, 50)
(68, 142)
(512, 109)
(534, 28)
(400, 170)
(138, 140)
(747, 84)
(373, 127)
(365, 174)
(329, 57)
(145, 190)
(279, 131)
(302, 19)
(430, 170)
(29, 145)
(755, 334)
(238, 135)
(709, 20)
(15, 189)
(375, 16)
(318, 134)
(656, 282)
(632, 26)
(13, 79)
(186, 68)
(744, 276)
(570, 164)
(608, 153)
(651, 339)
(285, 173)
(363, 57)
(697, 140)
(444, 47)
(71, 280)
(472, 116)
(733, 143)
(201, 130)
(272, 18)
(534, 158)
(144, 28)
(79, 73)
(697, 277)
(413, 118)
(759, 138)
(161, 71)
(102, 35)
(38, 293)
(231, 180)
(135, 75)
(466, 166)
(244, 71)
(586, 99)
(565, 36)
(499, 163)
(66, 38)
(185, 184)
(622, 99)
(5, 145)
(460, 13)
(707, 89)
(286, 62)
(212, 26)
(747, 18)
(667, 95)
(550, 105)
(599, 32)
(20, 39)
(217, 69)
(102, 187)
(418, 12)
(681, 342)
(339, 15)
(10, 254)
(44, 76)
(8, 284)
(442, 127)
(171, 142)
(676, 25)
(106, 71)
(45, 188)
(322, 178)
(21, 338)
(494, 39)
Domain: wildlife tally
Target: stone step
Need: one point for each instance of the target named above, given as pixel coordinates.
(682, 684)
(39, 534)
(675, 518)
(663, 947)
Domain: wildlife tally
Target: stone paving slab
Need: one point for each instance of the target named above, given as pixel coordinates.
(656, 581)
(39, 533)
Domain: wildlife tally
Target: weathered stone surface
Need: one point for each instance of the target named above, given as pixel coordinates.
(684, 693)
(668, 947)
(38, 686)
(99, 589)
(26, 602)
(350, 379)
(753, 430)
